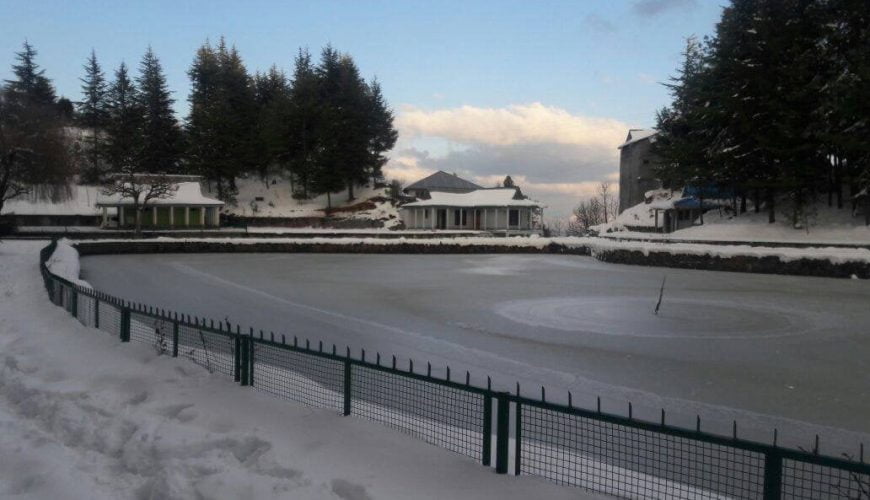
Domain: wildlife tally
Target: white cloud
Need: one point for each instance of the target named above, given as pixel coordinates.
(555, 156)
(516, 124)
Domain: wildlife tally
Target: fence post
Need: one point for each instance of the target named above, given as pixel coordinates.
(237, 358)
(347, 382)
(175, 338)
(74, 302)
(487, 430)
(518, 438)
(251, 359)
(502, 430)
(243, 362)
(96, 312)
(772, 475)
(125, 324)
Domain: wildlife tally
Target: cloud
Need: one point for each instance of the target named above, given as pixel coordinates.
(556, 157)
(516, 124)
(656, 7)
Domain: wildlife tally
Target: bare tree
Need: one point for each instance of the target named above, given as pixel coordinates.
(606, 200)
(586, 214)
(141, 189)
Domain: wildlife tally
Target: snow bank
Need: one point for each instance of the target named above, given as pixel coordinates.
(83, 417)
(64, 262)
(827, 225)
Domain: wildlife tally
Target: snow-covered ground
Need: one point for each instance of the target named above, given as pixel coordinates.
(827, 225)
(272, 198)
(85, 417)
(769, 351)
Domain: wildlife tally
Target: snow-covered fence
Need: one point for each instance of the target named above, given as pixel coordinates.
(586, 448)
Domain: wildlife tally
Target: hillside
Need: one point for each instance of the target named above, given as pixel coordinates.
(256, 198)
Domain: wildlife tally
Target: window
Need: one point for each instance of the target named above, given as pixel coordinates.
(425, 214)
(456, 217)
(464, 217)
(514, 218)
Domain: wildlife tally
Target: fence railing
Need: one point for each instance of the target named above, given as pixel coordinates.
(611, 454)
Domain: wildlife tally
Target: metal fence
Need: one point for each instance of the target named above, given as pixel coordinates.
(590, 449)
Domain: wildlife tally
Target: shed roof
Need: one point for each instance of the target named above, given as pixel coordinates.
(443, 180)
(637, 135)
(187, 194)
(496, 197)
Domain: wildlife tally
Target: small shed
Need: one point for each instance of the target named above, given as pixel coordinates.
(495, 210)
(186, 207)
(679, 213)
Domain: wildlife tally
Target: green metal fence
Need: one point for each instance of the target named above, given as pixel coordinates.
(590, 449)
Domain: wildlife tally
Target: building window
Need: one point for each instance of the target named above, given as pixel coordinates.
(457, 217)
(464, 217)
(425, 214)
(514, 218)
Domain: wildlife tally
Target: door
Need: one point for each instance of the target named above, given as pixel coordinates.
(477, 220)
(441, 223)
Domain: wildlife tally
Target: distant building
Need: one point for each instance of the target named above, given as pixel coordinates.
(497, 210)
(441, 182)
(636, 167)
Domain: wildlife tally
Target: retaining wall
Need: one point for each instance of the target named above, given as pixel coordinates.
(740, 263)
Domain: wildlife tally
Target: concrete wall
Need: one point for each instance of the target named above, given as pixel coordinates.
(636, 176)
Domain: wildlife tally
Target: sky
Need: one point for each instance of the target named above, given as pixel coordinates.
(543, 91)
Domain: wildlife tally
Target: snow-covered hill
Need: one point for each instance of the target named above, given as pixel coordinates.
(825, 225)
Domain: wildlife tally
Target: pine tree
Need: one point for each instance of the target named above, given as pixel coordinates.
(161, 135)
(304, 118)
(125, 119)
(33, 149)
(333, 126)
(272, 96)
(222, 125)
(30, 87)
(93, 115)
(382, 134)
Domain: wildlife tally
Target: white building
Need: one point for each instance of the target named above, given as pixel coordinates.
(185, 207)
(495, 210)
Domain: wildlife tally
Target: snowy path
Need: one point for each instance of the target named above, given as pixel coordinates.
(83, 416)
(768, 351)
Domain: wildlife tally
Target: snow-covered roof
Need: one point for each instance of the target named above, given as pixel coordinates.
(443, 180)
(637, 135)
(496, 197)
(188, 194)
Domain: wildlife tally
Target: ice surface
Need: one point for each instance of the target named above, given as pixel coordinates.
(769, 351)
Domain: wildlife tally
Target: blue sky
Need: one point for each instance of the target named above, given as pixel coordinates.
(520, 71)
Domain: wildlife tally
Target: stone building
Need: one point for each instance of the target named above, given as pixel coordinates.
(636, 167)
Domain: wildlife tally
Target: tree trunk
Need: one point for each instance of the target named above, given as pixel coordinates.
(701, 207)
(743, 202)
(771, 206)
(349, 190)
(328, 201)
(867, 209)
(756, 200)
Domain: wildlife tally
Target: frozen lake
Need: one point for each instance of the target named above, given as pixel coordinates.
(769, 351)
